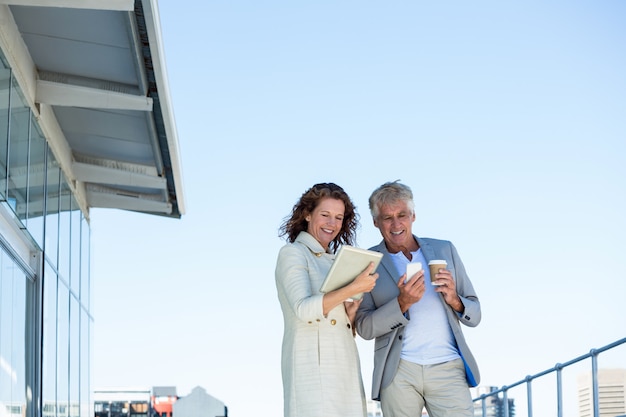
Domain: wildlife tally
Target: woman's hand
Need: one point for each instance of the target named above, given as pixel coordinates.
(351, 308)
(365, 281)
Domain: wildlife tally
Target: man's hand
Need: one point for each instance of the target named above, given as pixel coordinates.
(447, 287)
(412, 291)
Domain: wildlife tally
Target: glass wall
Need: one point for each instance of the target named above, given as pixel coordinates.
(47, 301)
(13, 282)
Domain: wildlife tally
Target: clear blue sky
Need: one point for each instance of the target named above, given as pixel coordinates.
(508, 120)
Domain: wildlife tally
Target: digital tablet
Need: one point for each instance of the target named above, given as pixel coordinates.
(349, 262)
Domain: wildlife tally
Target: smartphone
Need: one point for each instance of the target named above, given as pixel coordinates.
(412, 269)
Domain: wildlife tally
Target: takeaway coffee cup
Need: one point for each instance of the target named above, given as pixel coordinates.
(434, 266)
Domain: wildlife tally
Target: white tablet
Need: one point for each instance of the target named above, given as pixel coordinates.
(349, 262)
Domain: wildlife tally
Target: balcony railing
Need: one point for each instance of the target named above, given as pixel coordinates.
(558, 368)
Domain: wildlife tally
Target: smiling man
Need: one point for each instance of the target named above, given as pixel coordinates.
(421, 358)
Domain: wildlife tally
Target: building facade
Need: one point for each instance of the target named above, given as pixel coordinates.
(611, 393)
(45, 307)
(373, 408)
(122, 402)
(156, 402)
(85, 121)
(162, 401)
(199, 404)
(494, 405)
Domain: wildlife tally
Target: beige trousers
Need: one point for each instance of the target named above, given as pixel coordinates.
(441, 388)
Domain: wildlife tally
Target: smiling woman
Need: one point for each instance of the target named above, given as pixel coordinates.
(320, 361)
(302, 213)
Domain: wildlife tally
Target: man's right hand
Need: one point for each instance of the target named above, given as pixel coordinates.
(411, 292)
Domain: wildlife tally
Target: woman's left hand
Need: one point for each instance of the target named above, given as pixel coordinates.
(351, 308)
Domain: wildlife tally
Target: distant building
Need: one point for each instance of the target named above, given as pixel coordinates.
(122, 402)
(155, 402)
(494, 404)
(199, 404)
(611, 393)
(162, 401)
(373, 409)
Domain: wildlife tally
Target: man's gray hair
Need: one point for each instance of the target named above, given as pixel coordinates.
(389, 193)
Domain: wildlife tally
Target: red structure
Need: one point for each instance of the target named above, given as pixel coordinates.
(162, 401)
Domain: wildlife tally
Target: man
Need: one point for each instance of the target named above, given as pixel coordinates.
(421, 358)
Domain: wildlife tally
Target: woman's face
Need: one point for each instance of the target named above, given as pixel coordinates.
(326, 220)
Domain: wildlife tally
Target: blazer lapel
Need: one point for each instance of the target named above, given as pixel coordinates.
(387, 261)
(427, 250)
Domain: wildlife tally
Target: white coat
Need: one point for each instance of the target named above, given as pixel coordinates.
(320, 362)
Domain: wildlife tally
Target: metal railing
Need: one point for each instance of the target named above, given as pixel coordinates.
(558, 368)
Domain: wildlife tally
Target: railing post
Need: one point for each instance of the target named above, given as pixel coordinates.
(594, 378)
(505, 400)
(529, 395)
(484, 404)
(559, 390)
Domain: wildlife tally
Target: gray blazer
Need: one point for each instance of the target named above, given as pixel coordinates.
(379, 314)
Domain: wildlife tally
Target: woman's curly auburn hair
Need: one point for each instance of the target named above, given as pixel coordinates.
(296, 223)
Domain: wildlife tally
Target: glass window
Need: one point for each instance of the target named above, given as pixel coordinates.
(19, 134)
(65, 227)
(12, 334)
(5, 78)
(138, 409)
(63, 349)
(49, 353)
(85, 359)
(36, 182)
(75, 219)
(53, 180)
(85, 280)
(74, 369)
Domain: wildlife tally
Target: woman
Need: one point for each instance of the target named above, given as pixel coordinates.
(320, 361)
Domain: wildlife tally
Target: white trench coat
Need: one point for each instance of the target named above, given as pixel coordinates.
(320, 362)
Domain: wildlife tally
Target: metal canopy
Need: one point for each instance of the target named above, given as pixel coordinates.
(94, 74)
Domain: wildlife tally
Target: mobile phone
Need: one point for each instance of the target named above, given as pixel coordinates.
(412, 269)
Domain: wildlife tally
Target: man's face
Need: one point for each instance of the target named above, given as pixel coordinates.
(395, 222)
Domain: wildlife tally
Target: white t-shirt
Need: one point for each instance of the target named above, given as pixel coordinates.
(428, 339)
